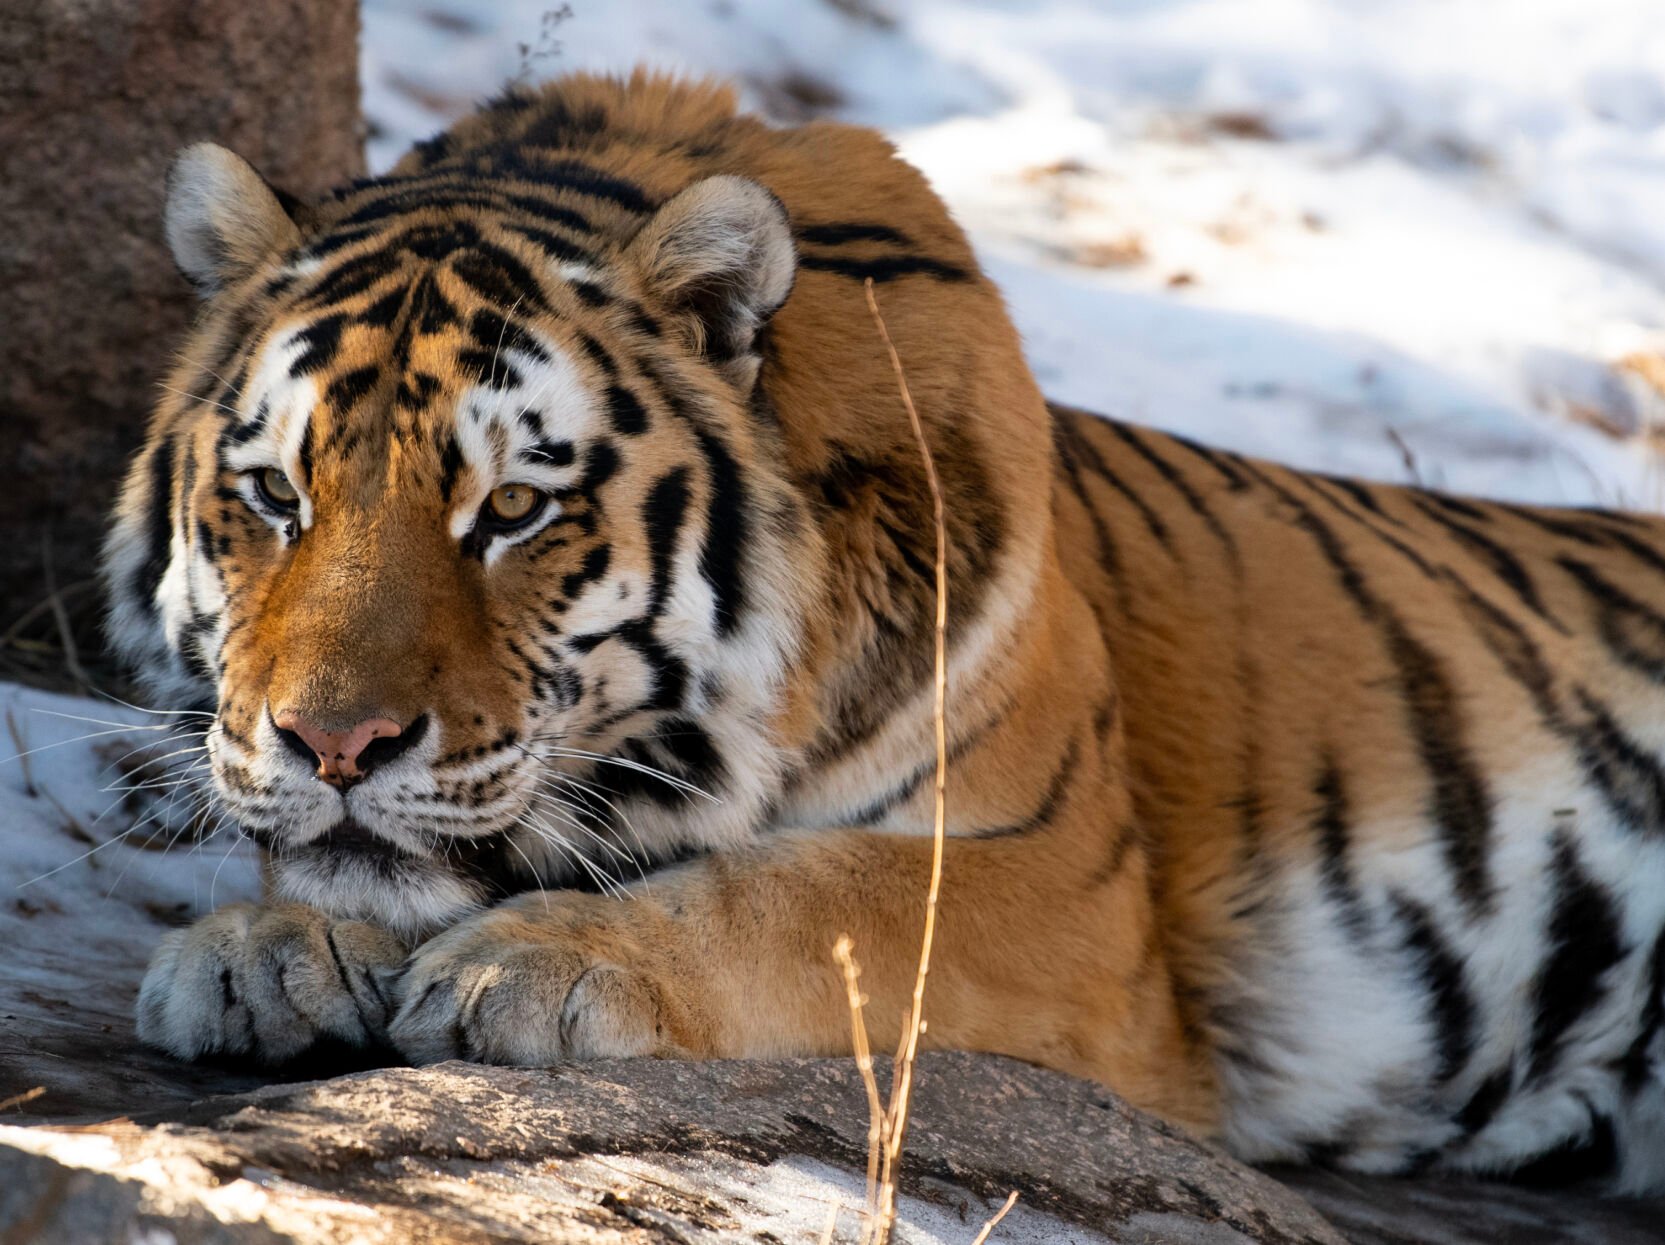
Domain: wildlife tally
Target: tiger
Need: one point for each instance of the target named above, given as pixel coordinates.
(541, 526)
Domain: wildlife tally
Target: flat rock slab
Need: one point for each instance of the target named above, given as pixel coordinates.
(639, 1150)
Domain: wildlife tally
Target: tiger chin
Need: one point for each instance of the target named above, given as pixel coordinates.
(543, 526)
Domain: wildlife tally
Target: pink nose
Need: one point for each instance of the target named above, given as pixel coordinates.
(341, 754)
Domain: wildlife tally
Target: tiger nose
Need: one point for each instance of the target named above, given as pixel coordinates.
(344, 757)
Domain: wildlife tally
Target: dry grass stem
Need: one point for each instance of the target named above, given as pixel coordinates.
(844, 953)
(60, 618)
(1011, 1200)
(831, 1225)
(891, 1130)
(17, 1100)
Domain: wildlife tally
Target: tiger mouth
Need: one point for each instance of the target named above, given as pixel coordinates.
(482, 860)
(351, 838)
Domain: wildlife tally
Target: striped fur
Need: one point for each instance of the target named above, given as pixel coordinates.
(1324, 816)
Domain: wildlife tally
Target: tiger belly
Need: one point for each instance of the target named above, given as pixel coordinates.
(1398, 1034)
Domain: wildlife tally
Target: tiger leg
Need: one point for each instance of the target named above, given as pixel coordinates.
(732, 957)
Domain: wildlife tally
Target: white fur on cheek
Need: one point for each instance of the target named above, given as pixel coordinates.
(491, 431)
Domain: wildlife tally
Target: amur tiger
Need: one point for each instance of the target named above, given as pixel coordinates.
(542, 524)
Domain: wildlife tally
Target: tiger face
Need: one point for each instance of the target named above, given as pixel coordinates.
(444, 516)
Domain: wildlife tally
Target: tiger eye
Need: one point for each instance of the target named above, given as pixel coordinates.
(277, 487)
(512, 503)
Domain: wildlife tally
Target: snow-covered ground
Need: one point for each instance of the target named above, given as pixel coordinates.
(1422, 239)
(1406, 240)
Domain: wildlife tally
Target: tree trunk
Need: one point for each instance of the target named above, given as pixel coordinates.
(96, 96)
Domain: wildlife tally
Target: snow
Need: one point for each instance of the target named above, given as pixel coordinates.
(1409, 241)
(94, 848)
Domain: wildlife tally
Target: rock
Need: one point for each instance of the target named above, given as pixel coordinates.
(95, 98)
(639, 1150)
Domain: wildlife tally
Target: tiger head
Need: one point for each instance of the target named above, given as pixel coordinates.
(459, 515)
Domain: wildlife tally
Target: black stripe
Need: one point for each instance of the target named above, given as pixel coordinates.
(320, 341)
(885, 804)
(1628, 774)
(1334, 844)
(1109, 558)
(850, 231)
(1082, 444)
(385, 310)
(662, 514)
(306, 450)
(581, 178)
(401, 200)
(1504, 564)
(626, 413)
(1628, 777)
(323, 246)
(1633, 632)
(595, 565)
(1320, 486)
(450, 466)
(551, 453)
(147, 577)
(351, 277)
(499, 276)
(434, 312)
(495, 333)
(691, 747)
(489, 368)
(1585, 941)
(591, 294)
(1460, 804)
(1483, 1105)
(205, 539)
(554, 245)
(1180, 484)
(345, 391)
(884, 268)
(416, 390)
(1450, 1006)
(598, 354)
(1359, 492)
(1221, 462)
(1569, 529)
(726, 530)
(1051, 801)
(1468, 509)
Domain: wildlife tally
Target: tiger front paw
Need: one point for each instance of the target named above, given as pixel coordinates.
(268, 982)
(528, 985)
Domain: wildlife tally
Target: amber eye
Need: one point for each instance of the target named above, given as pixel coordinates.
(275, 489)
(513, 505)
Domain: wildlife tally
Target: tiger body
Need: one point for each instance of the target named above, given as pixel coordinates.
(1323, 816)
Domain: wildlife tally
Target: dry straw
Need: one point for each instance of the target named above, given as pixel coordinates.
(888, 1125)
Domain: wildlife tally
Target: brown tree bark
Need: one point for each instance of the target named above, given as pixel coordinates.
(96, 96)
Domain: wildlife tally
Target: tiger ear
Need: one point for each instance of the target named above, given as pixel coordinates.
(721, 253)
(222, 218)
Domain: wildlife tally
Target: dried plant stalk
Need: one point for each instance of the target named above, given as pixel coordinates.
(844, 953)
(1011, 1200)
(901, 1090)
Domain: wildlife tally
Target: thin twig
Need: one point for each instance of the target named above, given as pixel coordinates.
(843, 952)
(60, 616)
(831, 1225)
(17, 1100)
(1011, 1200)
(902, 1087)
